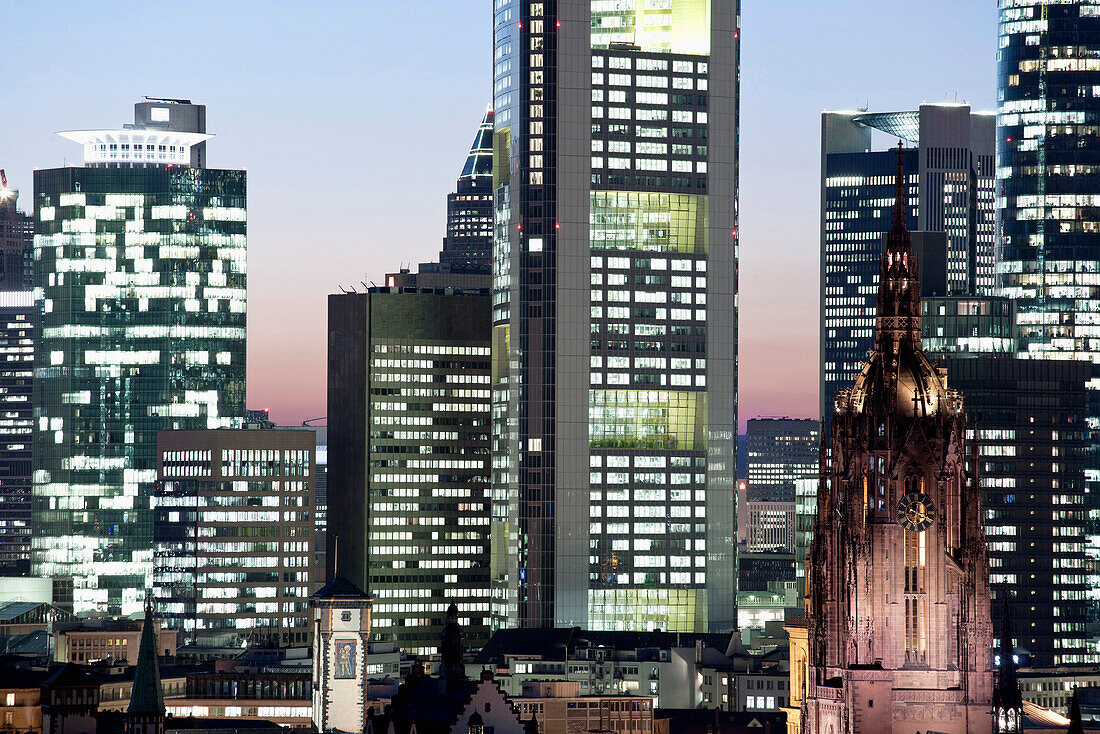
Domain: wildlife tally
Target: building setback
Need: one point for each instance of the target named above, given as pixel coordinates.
(140, 260)
(949, 206)
(614, 314)
(234, 533)
(408, 491)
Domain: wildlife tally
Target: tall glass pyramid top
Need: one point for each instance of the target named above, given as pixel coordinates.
(479, 163)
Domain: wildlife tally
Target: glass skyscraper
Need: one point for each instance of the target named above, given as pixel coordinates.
(408, 420)
(1048, 151)
(139, 274)
(949, 171)
(469, 241)
(614, 311)
(1048, 205)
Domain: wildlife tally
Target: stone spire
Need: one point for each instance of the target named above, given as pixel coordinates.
(145, 714)
(451, 665)
(899, 278)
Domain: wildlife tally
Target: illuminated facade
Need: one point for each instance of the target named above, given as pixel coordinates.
(614, 312)
(469, 242)
(949, 176)
(234, 535)
(1048, 207)
(781, 451)
(140, 268)
(17, 332)
(408, 488)
(1049, 174)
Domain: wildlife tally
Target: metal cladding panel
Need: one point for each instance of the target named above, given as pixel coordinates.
(573, 294)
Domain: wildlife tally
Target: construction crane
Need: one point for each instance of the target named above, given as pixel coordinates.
(309, 421)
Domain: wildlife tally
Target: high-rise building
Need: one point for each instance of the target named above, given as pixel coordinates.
(781, 451)
(1048, 205)
(968, 325)
(1033, 441)
(1048, 174)
(16, 243)
(234, 533)
(408, 489)
(140, 259)
(17, 334)
(468, 245)
(897, 626)
(614, 312)
(949, 202)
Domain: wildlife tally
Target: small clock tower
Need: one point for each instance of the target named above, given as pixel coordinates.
(897, 636)
(341, 630)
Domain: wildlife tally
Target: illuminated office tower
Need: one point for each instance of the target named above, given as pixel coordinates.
(408, 451)
(614, 314)
(140, 267)
(469, 242)
(781, 450)
(949, 172)
(1049, 174)
(17, 334)
(16, 371)
(234, 533)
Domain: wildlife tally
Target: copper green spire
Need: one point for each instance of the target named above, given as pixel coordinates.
(146, 697)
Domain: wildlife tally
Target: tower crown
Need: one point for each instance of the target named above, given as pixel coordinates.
(898, 379)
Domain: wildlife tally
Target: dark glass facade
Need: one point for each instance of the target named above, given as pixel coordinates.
(408, 490)
(1029, 419)
(141, 274)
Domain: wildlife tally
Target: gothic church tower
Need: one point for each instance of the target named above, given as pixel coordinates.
(897, 635)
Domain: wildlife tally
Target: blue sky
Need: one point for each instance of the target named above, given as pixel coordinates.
(353, 119)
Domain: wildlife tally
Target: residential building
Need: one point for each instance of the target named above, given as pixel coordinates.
(948, 204)
(234, 533)
(115, 640)
(614, 314)
(408, 491)
(900, 538)
(781, 451)
(559, 708)
(468, 246)
(140, 259)
(17, 337)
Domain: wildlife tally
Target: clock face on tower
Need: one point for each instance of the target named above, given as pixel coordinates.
(916, 512)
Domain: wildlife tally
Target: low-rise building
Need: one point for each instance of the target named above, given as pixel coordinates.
(559, 708)
(117, 641)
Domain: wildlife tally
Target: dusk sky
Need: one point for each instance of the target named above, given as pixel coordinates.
(353, 120)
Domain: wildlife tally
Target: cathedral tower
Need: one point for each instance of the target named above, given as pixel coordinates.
(897, 636)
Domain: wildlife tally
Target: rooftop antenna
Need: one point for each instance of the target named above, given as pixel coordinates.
(365, 285)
